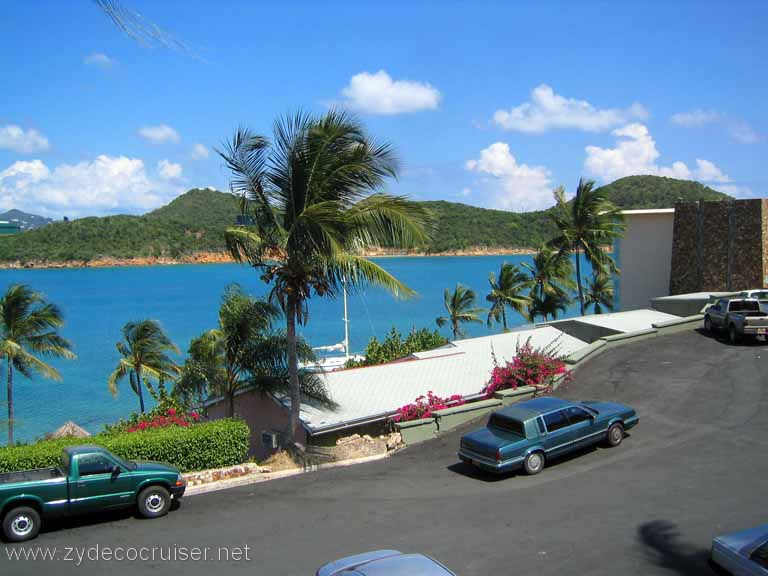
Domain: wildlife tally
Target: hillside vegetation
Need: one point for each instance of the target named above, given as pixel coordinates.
(194, 223)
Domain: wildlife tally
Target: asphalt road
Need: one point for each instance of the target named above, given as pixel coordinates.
(694, 467)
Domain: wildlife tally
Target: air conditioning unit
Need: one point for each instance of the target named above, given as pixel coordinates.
(270, 440)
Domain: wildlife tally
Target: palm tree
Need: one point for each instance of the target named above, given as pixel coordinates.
(460, 305)
(244, 352)
(506, 292)
(599, 292)
(314, 208)
(144, 352)
(28, 331)
(547, 305)
(550, 279)
(589, 223)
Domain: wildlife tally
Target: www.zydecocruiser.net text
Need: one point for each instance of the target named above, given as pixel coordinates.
(97, 553)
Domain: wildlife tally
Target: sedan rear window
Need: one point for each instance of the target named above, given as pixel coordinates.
(507, 424)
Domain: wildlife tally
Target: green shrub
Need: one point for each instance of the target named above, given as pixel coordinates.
(208, 445)
(395, 347)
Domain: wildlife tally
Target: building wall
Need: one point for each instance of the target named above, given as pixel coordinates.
(719, 246)
(644, 256)
(262, 414)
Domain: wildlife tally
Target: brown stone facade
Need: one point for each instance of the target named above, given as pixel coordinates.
(719, 246)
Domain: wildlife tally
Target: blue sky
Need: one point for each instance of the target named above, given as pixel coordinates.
(491, 104)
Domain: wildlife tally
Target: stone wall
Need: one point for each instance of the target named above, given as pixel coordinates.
(719, 246)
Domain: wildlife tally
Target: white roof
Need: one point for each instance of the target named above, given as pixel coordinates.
(463, 367)
(693, 296)
(650, 211)
(627, 321)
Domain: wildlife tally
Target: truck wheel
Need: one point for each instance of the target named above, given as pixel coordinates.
(534, 463)
(154, 502)
(615, 434)
(21, 524)
(708, 325)
(733, 336)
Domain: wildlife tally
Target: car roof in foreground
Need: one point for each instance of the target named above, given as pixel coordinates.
(744, 540)
(532, 408)
(385, 563)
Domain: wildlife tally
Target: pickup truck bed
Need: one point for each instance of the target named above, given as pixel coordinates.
(31, 475)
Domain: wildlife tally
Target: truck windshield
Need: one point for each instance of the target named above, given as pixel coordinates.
(507, 425)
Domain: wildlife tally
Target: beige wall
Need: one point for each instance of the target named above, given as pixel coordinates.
(645, 257)
(262, 414)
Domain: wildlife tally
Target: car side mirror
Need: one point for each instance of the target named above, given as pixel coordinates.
(115, 470)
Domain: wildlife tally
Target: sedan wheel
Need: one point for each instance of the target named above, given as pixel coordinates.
(615, 434)
(708, 324)
(534, 462)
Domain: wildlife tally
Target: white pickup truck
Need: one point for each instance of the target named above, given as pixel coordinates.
(739, 317)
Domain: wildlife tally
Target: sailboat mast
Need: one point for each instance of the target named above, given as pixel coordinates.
(346, 321)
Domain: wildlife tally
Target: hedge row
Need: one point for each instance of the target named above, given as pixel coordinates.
(198, 447)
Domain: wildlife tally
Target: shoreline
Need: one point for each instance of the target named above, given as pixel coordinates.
(223, 258)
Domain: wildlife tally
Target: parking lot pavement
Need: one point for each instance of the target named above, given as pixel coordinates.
(694, 467)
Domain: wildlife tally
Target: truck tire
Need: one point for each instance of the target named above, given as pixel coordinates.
(733, 336)
(154, 501)
(534, 463)
(615, 434)
(708, 327)
(21, 524)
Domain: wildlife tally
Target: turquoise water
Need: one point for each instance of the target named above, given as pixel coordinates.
(184, 298)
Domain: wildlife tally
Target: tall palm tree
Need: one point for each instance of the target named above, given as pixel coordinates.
(28, 332)
(244, 351)
(599, 292)
(314, 202)
(588, 224)
(507, 292)
(144, 350)
(550, 280)
(460, 305)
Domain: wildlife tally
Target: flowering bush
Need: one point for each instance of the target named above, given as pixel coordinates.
(424, 406)
(156, 419)
(530, 367)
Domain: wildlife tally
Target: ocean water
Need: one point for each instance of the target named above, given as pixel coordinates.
(97, 302)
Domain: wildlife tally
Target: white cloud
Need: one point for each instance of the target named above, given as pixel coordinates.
(547, 110)
(636, 154)
(99, 59)
(379, 94)
(169, 170)
(697, 117)
(105, 185)
(734, 190)
(512, 186)
(159, 134)
(22, 141)
(465, 192)
(199, 152)
(739, 130)
(743, 133)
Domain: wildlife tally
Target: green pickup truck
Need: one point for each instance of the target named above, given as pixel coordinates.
(89, 478)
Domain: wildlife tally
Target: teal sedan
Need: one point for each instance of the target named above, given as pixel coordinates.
(527, 434)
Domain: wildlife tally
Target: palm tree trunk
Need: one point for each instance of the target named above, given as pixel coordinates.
(139, 388)
(10, 402)
(578, 281)
(293, 367)
(455, 329)
(504, 318)
(230, 405)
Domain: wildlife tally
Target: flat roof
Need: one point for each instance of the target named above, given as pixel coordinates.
(650, 211)
(629, 321)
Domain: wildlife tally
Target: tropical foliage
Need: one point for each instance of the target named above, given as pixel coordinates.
(394, 346)
(598, 293)
(507, 292)
(313, 195)
(461, 309)
(587, 224)
(551, 281)
(531, 366)
(29, 332)
(244, 351)
(144, 352)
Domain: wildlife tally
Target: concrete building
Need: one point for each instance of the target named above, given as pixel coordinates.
(644, 256)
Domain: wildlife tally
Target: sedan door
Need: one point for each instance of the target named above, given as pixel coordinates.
(558, 437)
(584, 429)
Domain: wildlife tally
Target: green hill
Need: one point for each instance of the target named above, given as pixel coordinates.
(194, 223)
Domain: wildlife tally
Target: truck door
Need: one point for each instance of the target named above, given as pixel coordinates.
(97, 485)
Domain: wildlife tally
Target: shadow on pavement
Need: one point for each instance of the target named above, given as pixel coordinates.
(662, 544)
(722, 337)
